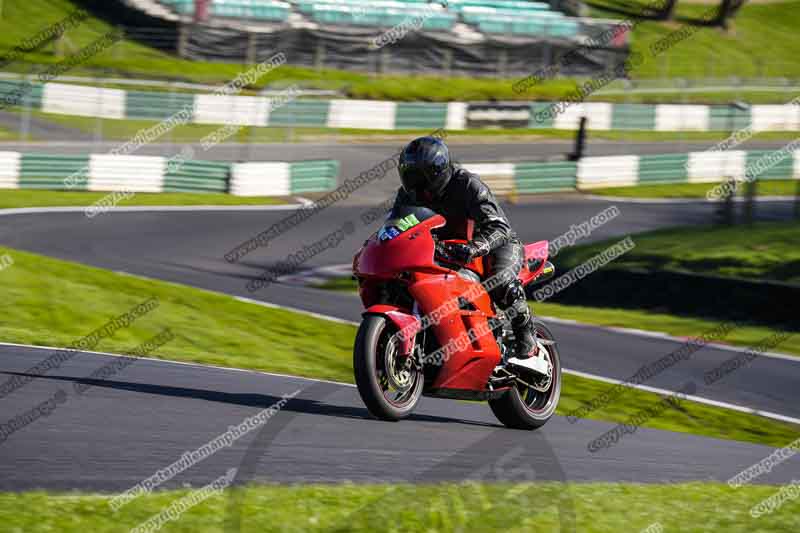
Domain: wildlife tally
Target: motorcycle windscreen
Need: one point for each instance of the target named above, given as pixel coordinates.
(398, 247)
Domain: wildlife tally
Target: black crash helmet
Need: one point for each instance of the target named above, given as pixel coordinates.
(425, 166)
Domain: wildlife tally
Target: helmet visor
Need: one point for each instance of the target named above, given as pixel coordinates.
(412, 177)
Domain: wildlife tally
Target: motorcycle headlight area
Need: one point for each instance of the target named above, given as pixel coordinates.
(388, 233)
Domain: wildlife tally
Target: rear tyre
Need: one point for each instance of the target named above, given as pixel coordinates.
(388, 384)
(523, 407)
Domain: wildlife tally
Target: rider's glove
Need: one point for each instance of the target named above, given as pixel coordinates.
(462, 253)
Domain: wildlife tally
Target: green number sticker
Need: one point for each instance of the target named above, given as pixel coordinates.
(408, 222)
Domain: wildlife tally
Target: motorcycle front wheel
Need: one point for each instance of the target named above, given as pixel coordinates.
(388, 383)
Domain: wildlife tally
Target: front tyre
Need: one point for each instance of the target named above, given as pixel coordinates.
(525, 407)
(389, 384)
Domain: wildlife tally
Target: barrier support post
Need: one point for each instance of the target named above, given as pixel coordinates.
(580, 141)
(797, 201)
(749, 201)
(724, 213)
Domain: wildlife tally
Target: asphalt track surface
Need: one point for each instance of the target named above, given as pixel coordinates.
(127, 427)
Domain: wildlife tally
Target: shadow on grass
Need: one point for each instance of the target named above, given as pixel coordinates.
(700, 22)
(685, 294)
(621, 7)
(644, 12)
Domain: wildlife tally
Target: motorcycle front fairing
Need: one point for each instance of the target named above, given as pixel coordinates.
(466, 360)
(411, 250)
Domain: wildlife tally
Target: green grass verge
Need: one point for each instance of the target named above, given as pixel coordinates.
(740, 52)
(696, 190)
(679, 326)
(764, 250)
(7, 135)
(52, 302)
(441, 508)
(35, 198)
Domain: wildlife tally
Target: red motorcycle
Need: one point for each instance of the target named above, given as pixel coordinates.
(430, 327)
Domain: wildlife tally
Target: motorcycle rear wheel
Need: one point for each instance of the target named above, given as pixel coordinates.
(388, 386)
(523, 407)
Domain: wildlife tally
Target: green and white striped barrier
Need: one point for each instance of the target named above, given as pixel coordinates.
(499, 176)
(531, 178)
(693, 167)
(631, 170)
(107, 172)
(197, 176)
(382, 115)
(283, 179)
(613, 171)
(10, 170)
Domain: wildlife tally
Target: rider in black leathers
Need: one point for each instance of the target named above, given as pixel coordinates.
(430, 179)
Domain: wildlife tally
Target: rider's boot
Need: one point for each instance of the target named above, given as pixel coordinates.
(525, 348)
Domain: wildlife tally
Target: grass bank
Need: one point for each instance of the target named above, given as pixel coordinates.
(745, 51)
(749, 273)
(765, 251)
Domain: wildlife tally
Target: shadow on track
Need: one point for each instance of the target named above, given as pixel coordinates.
(297, 405)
